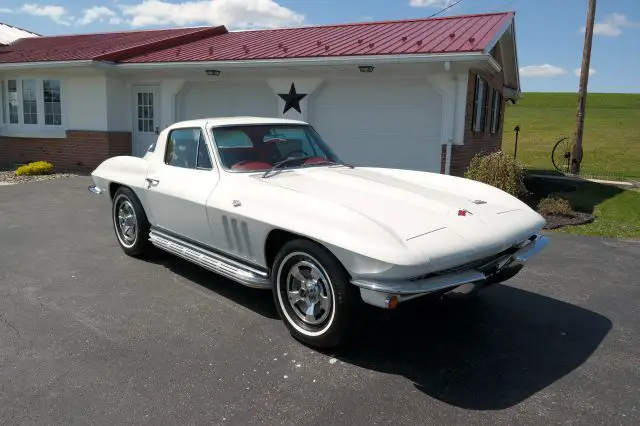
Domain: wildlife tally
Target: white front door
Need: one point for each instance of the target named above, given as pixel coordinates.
(146, 123)
(180, 184)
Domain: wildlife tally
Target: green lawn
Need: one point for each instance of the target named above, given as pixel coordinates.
(617, 210)
(612, 131)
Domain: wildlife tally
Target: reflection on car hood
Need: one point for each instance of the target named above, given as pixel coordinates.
(408, 208)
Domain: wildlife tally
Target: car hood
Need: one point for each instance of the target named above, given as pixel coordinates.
(411, 208)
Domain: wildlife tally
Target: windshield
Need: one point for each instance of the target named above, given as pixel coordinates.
(260, 147)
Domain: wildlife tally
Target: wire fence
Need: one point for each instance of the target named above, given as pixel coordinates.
(553, 158)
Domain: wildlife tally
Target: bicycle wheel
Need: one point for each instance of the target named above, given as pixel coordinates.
(561, 155)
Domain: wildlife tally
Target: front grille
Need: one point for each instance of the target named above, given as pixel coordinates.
(475, 264)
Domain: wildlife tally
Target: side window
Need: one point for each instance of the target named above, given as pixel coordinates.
(204, 159)
(186, 148)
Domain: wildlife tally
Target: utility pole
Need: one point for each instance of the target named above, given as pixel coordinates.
(576, 151)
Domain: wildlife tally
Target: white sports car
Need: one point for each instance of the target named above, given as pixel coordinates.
(266, 203)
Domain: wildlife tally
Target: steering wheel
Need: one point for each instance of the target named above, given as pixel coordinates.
(289, 154)
(275, 140)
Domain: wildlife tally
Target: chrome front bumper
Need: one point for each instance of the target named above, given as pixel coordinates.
(380, 293)
(94, 189)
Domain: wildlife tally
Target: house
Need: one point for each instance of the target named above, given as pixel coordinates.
(9, 34)
(422, 94)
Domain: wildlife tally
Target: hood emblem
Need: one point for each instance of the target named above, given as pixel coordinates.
(479, 202)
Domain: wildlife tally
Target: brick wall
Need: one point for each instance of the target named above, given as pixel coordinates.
(81, 151)
(483, 141)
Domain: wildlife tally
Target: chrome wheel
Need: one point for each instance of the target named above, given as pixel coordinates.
(126, 223)
(309, 293)
(313, 294)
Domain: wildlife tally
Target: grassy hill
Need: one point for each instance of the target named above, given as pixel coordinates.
(612, 131)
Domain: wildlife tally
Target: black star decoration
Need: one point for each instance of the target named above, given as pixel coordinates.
(292, 99)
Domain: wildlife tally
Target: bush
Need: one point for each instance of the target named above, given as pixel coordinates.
(500, 170)
(555, 205)
(35, 168)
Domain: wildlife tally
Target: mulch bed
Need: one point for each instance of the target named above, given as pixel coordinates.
(540, 188)
(9, 177)
(558, 221)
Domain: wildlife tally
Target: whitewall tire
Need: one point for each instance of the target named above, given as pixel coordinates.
(313, 294)
(130, 222)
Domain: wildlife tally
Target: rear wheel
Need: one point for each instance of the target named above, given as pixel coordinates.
(313, 294)
(130, 223)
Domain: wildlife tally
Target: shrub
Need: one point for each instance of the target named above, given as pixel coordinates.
(500, 170)
(555, 205)
(35, 168)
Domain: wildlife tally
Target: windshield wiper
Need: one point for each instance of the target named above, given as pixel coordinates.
(282, 163)
(340, 163)
(289, 159)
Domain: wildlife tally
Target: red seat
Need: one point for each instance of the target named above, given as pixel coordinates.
(251, 165)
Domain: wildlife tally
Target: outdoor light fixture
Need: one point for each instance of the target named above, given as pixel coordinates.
(213, 72)
(366, 68)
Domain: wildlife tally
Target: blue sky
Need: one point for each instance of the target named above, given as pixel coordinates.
(548, 31)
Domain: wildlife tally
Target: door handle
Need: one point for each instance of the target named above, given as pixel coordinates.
(152, 182)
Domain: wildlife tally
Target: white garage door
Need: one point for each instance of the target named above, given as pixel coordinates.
(205, 100)
(381, 123)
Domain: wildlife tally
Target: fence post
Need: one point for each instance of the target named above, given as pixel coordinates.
(517, 130)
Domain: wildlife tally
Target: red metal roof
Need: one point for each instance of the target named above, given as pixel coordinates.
(469, 33)
(103, 46)
(455, 34)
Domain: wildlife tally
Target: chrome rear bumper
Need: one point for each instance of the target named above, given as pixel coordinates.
(379, 293)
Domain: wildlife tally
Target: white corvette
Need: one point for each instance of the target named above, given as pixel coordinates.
(266, 203)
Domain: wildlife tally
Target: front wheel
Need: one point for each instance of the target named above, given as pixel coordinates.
(313, 294)
(130, 223)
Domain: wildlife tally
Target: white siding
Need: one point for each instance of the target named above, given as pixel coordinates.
(220, 99)
(120, 110)
(383, 123)
(86, 103)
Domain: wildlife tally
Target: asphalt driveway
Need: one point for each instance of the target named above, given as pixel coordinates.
(89, 335)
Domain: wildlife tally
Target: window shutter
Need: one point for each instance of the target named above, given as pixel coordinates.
(499, 115)
(475, 103)
(485, 106)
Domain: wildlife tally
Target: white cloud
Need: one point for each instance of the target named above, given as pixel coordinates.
(430, 3)
(56, 13)
(98, 14)
(578, 71)
(232, 13)
(545, 70)
(5, 10)
(612, 25)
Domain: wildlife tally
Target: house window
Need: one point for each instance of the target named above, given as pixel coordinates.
(496, 111)
(52, 107)
(29, 102)
(479, 105)
(145, 112)
(33, 102)
(12, 101)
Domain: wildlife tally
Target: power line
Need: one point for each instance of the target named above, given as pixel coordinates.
(446, 8)
(504, 6)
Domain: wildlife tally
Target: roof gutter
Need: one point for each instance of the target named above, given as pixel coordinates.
(485, 58)
(46, 64)
(334, 60)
